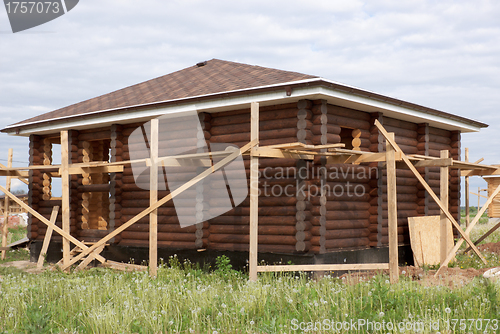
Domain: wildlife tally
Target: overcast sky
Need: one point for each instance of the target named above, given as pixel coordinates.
(440, 54)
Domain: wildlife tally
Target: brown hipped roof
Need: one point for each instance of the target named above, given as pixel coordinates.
(213, 76)
(207, 80)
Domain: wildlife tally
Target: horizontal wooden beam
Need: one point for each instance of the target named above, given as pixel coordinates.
(94, 170)
(14, 173)
(267, 152)
(480, 172)
(324, 267)
(445, 162)
(303, 146)
(124, 266)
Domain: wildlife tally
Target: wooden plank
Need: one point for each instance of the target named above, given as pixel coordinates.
(467, 192)
(434, 163)
(153, 198)
(124, 266)
(91, 257)
(164, 200)
(65, 194)
(193, 159)
(94, 170)
(487, 234)
(286, 145)
(392, 211)
(451, 255)
(429, 190)
(444, 196)
(254, 194)
(278, 153)
(324, 267)
(46, 221)
(46, 239)
(488, 172)
(425, 236)
(5, 230)
(18, 174)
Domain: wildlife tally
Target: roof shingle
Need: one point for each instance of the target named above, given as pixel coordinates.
(215, 76)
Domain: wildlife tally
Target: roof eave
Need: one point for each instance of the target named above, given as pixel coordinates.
(300, 89)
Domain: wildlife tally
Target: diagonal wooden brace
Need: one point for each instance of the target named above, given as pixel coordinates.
(164, 200)
(46, 239)
(47, 222)
(90, 258)
(429, 190)
(467, 231)
(480, 214)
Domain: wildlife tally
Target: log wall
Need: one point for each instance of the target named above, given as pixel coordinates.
(304, 206)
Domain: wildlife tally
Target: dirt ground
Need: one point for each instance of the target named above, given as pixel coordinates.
(490, 247)
(26, 266)
(450, 277)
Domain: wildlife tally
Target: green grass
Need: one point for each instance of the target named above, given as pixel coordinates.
(16, 233)
(472, 213)
(16, 255)
(187, 299)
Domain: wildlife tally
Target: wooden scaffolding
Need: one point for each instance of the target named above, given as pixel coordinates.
(333, 153)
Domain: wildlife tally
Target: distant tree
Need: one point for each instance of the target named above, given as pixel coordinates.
(19, 192)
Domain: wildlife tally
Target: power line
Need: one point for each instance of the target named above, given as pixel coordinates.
(21, 162)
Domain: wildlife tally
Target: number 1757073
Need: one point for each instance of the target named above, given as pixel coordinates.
(39, 7)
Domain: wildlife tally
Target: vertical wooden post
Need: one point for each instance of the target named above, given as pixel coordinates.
(444, 194)
(392, 208)
(254, 193)
(153, 198)
(467, 192)
(5, 229)
(478, 197)
(65, 194)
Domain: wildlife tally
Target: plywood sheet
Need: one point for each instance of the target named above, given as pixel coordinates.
(425, 239)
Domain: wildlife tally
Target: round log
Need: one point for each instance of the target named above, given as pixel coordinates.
(341, 121)
(161, 244)
(345, 234)
(283, 249)
(263, 211)
(263, 239)
(245, 229)
(439, 132)
(399, 132)
(134, 235)
(338, 225)
(400, 124)
(439, 139)
(344, 215)
(323, 129)
(95, 135)
(345, 243)
(263, 220)
(346, 112)
(338, 205)
(94, 188)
